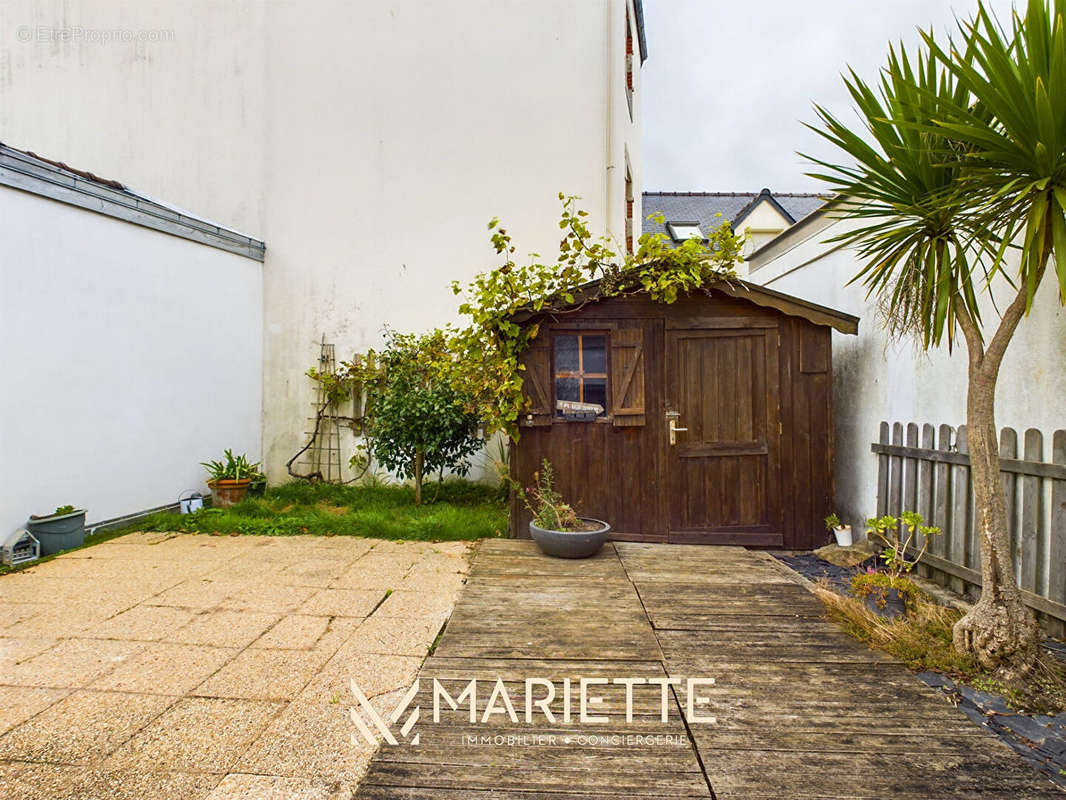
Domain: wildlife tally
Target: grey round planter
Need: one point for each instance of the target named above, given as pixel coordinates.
(58, 531)
(571, 544)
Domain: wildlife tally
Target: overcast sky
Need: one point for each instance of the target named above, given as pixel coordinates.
(727, 85)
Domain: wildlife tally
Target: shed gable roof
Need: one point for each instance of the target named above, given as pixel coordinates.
(741, 290)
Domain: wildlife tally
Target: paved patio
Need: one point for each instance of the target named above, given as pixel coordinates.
(803, 711)
(190, 667)
(213, 668)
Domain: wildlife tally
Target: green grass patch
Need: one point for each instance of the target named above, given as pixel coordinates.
(462, 511)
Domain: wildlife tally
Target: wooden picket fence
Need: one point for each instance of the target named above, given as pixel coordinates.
(928, 470)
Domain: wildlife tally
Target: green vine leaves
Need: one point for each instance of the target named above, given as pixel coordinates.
(481, 360)
(486, 366)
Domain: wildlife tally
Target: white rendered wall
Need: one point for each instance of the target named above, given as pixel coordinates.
(129, 357)
(367, 143)
(875, 379)
(762, 219)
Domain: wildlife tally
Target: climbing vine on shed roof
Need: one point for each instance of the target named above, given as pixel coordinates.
(487, 367)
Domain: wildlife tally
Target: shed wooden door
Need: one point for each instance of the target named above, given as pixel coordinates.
(723, 484)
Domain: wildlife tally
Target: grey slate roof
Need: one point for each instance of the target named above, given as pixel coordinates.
(702, 207)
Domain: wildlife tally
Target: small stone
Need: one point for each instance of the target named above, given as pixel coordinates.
(839, 556)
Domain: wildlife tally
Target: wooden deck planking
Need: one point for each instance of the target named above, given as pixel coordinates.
(803, 711)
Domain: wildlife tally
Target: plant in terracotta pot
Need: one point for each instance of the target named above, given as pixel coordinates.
(887, 593)
(230, 478)
(63, 529)
(555, 526)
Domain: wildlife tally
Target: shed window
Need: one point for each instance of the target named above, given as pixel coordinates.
(580, 375)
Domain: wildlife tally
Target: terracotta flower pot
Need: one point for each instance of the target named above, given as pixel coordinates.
(227, 492)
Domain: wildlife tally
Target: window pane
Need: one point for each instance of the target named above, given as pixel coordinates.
(566, 357)
(567, 389)
(594, 351)
(596, 392)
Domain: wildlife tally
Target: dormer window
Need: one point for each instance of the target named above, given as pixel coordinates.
(680, 231)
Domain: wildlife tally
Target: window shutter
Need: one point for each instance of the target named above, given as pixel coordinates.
(627, 376)
(537, 383)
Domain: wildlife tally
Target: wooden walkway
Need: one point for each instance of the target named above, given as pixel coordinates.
(802, 710)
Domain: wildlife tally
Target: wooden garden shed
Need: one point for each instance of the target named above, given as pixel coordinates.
(705, 421)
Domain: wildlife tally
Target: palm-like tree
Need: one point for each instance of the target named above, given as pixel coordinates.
(959, 178)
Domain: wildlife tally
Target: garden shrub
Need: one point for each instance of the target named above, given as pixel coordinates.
(416, 422)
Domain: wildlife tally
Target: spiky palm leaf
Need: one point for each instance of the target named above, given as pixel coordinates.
(910, 226)
(1012, 119)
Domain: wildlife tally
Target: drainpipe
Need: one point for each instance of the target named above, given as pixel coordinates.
(611, 177)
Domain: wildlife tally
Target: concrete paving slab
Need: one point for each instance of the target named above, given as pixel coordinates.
(166, 668)
(198, 734)
(343, 602)
(294, 632)
(141, 623)
(19, 703)
(258, 674)
(225, 628)
(180, 666)
(73, 663)
(82, 727)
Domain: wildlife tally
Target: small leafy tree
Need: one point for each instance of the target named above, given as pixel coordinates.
(963, 159)
(415, 421)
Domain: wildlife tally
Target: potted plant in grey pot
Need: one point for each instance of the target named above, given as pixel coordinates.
(230, 478)
(556, 529)
(63, 529)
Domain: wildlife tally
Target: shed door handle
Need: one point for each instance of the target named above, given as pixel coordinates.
(674, 430)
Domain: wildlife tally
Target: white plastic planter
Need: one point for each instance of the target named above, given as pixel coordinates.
(843, 535)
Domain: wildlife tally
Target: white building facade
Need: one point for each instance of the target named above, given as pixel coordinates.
(878, 379)
(367, 143)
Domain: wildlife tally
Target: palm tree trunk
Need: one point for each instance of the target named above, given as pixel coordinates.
(1000, 631)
